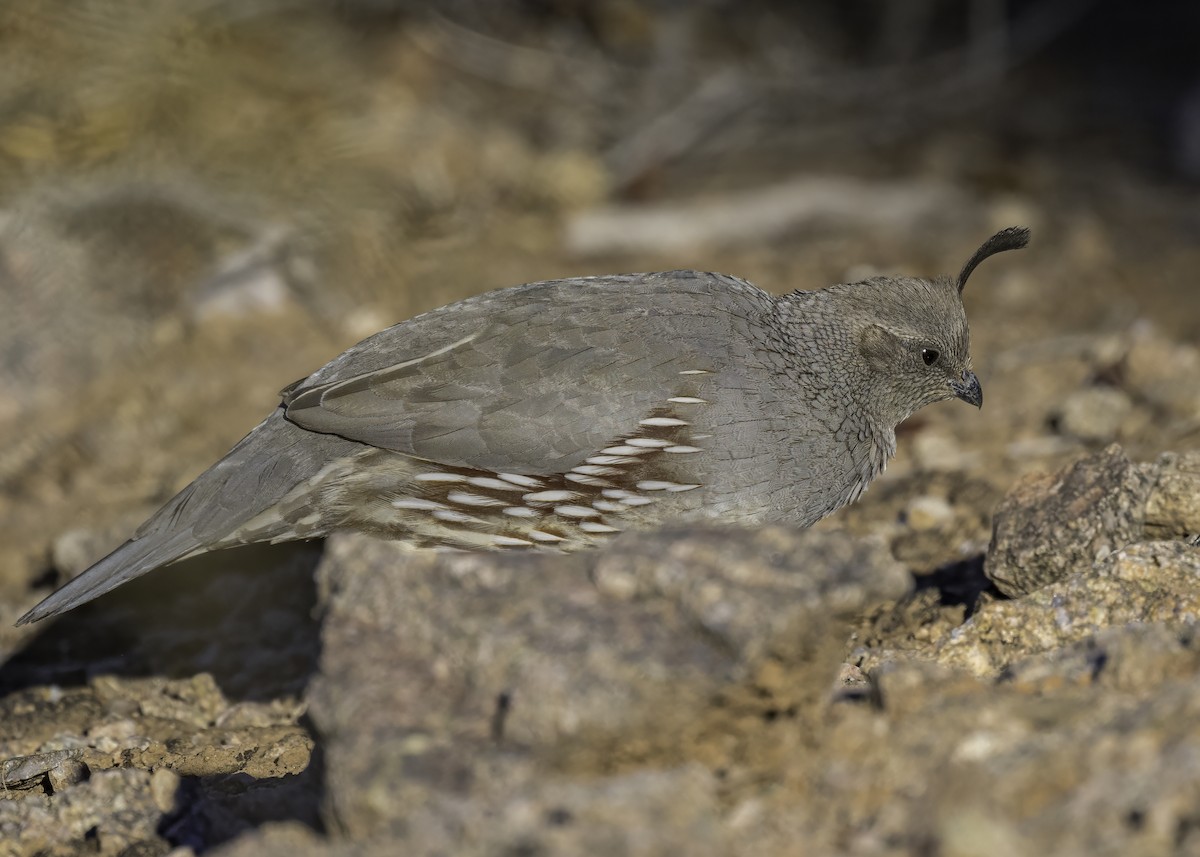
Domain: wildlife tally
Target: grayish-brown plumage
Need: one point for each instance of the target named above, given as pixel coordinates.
(553, 415)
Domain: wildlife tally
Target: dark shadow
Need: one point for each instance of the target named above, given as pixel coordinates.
(210, 811)
(960, 583)
(246, 616)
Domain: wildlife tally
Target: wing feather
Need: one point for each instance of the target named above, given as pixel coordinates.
(471, 384)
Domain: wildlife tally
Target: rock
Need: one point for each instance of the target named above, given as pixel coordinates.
(111, 736)
(1050, 526)
(642, 814)
(1145, 582)
(196, 701)
(638, 813)
(449, 680)
(1088, 749)
(289, 839)
(1039, 447)
(1173, 508)
(77, 548)
(1095, 414)
(928, 511)
(936, 450)
(26, 772)
(1136, 658)
(65, 774)
(164, 785)
(1164, 372)
(156, 723)
(1115, 774)
(766, 591)
(115, 812)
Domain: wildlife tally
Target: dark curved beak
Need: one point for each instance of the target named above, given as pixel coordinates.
(968, 389)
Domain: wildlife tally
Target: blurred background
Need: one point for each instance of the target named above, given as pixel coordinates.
(203, 200)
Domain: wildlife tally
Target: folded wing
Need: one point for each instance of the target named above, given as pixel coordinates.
(472, 385)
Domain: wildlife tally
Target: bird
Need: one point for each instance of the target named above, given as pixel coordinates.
(558, 414)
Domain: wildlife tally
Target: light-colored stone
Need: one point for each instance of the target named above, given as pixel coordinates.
(1095, 414)
(1173, 507)
(928, 511)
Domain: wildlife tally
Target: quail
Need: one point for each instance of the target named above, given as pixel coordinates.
(557, 414)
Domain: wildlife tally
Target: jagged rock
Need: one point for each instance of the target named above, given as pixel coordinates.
(449, 681)
(1144, 582)
(1173, 508)
(117, 812)
(1051, 526)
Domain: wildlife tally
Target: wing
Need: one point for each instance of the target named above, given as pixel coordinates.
(473, 384)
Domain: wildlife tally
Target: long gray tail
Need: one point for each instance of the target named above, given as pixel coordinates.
(255, 475)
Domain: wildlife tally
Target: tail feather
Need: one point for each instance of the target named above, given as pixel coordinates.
(130, 560)
(256, 474)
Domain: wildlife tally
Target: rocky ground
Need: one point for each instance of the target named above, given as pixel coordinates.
(993, 653)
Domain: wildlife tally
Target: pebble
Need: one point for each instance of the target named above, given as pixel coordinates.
(1095, 414)
(164, 783)
(67, 773)
(934, 450)
(927, 511)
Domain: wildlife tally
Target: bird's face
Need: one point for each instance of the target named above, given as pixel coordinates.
(912, 335)
(916, 345)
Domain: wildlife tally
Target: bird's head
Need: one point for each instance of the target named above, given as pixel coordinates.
(912, 335)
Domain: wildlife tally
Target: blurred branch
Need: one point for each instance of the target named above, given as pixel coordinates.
(758, 215)
(681, 101)
(512, 65)
(675, 132)
(952, 68)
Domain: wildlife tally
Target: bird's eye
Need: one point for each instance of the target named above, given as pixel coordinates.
(929, 355)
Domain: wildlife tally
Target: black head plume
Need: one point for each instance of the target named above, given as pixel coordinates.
(1012, 238)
